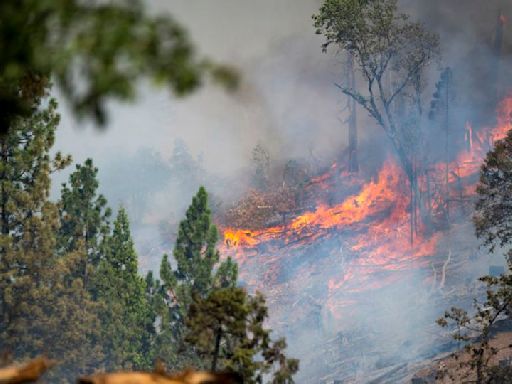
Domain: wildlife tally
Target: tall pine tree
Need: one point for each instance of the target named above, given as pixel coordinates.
(44, 309)
(126, 317)
(196, 272)
(84, 216)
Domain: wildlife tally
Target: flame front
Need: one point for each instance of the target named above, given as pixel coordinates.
(375, 222)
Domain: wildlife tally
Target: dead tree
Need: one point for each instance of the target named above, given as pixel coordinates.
(441, 114)
(353, 164)
(498, 47)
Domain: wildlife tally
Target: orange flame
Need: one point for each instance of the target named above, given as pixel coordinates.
(380, 215)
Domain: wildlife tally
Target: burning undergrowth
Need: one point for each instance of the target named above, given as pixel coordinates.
(356, 262)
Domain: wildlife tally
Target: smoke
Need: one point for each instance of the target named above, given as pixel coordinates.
(469, 34)
(288, 102)
(287, 97)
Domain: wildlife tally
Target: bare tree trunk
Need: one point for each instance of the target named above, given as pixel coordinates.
(480, 366)
(413, 209)
(3, 193)
(429, 194)
(353, 164)
(443, 273)
(218, 337)
(447, 147)
(498, 46)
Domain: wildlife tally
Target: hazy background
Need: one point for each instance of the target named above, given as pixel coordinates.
(287, 100)
(287, 97)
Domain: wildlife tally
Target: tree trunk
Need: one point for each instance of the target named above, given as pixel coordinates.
(480, 366)
(408, 167)
(3, 194)
(412, 214)
(498, 47)
(447, 148)
(216, 351)
(353, 163)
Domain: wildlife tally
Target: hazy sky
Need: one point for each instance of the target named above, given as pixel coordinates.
(287, 99)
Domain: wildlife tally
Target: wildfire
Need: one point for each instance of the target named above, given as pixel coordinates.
(376, 220)
(375, 197)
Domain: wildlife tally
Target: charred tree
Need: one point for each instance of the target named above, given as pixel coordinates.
(440, 114)
(353, 164)
(496, 68)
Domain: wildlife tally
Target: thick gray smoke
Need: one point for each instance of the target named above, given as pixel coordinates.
(287, 101)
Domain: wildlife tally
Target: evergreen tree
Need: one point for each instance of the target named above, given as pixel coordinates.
(493, 213)
(226, 275)
(84, 215)
(493, 224)
(227, 328)
(186, 171)
(126, 315)
(196, 259)
(44, 308)
(25, 164)
(443, 98)
(24, 184)
(194, 252)
(261, 161)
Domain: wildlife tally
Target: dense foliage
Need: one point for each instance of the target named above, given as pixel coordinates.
(493, 224)
(70, 286)
(493, 215)
(228, 328)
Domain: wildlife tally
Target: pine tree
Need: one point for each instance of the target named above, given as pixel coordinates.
(84, 216)
(24, 184)
(126, 315)
(196, 273)
(441, 112)
(261, 160)
(194, 252)
(443, 98)
(227, 328)
(226, 275)
(25, 164)
(493, 209)
(44, 308)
